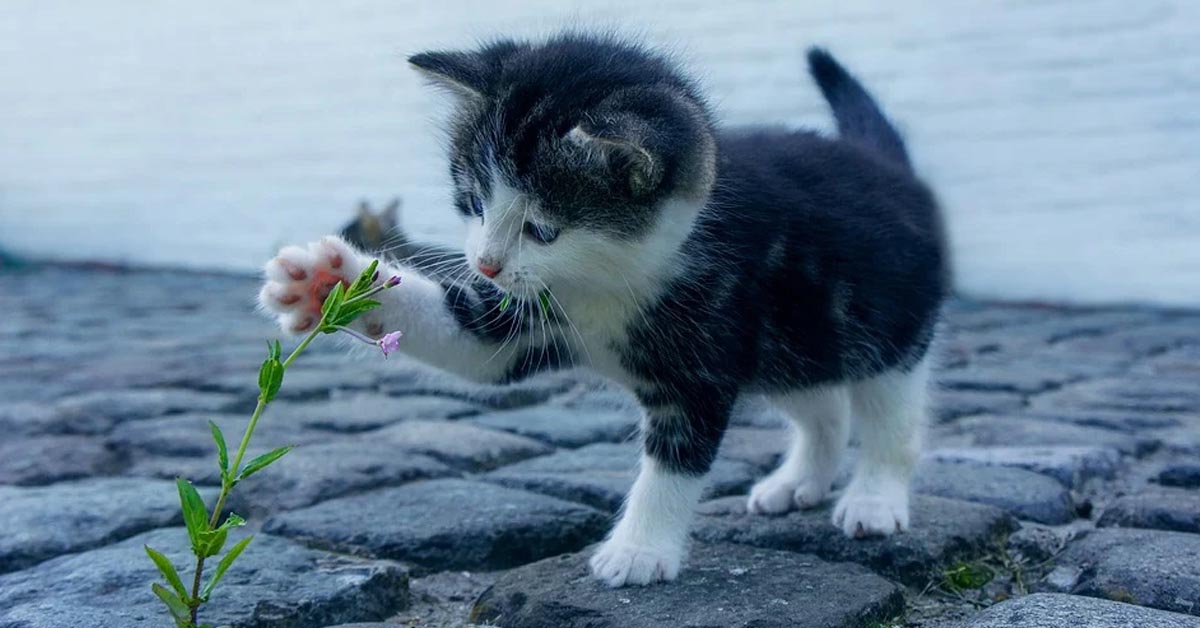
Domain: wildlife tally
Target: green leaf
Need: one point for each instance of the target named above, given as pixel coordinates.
(232, 521)
(222, 450)
(168, 572)
(180, 611)
(965, 576)
(333, 302)
(505, 302)
(544, 303)
(276, 381)
(223, 566)
(195, 515)
(270, 379)
(276, 351)
(212, 541)
(363, 282)
(259, 463)
(351, 311)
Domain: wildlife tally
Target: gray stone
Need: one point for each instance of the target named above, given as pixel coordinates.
(39, 460)
(600, 475)
(199, 470)
(1036, 543)
(445, 524)
(1062, 579)
(1184, 475)
(460, 444)
(44, 522)
(444, 599)
(360, 412)
(31, 417)
(722, 585)
(1070, 465)
(88, 412)
(1054, 610)
(1145, 567)
(305, 381)
(415, 380)
(1127, 393)
(1128, 421)
(320, 471)
(951, 404)
(942, 531)
(1025, 494)
(1013, 430)
(1178, 510)
(274, 583)
(1002, 377)
(564, 426)
(188, 435)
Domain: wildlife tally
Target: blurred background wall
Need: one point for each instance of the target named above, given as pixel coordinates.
(1062, 135)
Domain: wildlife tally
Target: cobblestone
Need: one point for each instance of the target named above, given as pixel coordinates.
(1024, 494)
(943, 531)
(445, 524)
(109, 587)
(1084, 424)
(1144, 567)
(600, 475)
(1179, 511)
(724, 585)
(49, 521)
(1048, 610)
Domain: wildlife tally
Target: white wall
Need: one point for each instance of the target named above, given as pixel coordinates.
(1062, 135)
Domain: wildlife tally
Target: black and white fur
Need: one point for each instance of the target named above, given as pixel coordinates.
(689, 263)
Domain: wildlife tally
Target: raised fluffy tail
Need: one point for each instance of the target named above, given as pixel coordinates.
(858, 116)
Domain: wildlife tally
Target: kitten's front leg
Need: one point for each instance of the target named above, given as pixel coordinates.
(299, 279)
(649, 543)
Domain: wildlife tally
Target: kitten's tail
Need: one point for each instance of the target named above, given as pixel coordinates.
(858, 116)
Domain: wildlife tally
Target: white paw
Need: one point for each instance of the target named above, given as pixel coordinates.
(618, 563)
(776, 494)
(861, 514)
(299, 279)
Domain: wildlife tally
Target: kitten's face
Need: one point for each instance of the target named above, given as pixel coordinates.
(578, 162)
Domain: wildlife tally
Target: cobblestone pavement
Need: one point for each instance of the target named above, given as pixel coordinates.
(1061, 483)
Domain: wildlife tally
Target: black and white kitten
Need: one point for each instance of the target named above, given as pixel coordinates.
(689, 263)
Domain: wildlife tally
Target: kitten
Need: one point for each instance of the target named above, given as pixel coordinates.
(689, 263)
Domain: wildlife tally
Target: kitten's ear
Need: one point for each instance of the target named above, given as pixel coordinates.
(621, 142)
(464, 73)
(364, 210)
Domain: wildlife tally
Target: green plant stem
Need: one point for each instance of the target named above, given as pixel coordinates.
(227, 482)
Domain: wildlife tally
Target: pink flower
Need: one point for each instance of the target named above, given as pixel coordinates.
(389, 343)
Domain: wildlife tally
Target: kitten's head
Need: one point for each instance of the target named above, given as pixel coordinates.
(581, 160)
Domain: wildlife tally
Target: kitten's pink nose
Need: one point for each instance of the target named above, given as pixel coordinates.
(488, 269)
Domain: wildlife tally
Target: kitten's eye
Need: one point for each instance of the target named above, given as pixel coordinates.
(541, 234)
(476, 205)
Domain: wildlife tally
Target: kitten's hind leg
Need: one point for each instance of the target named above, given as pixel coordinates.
(890, 410)
(819, 429)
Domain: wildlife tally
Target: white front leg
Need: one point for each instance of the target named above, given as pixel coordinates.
(649, 543)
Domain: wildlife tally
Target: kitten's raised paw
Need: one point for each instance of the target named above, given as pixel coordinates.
(299, 279)
(619, 564)
(862, 515)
